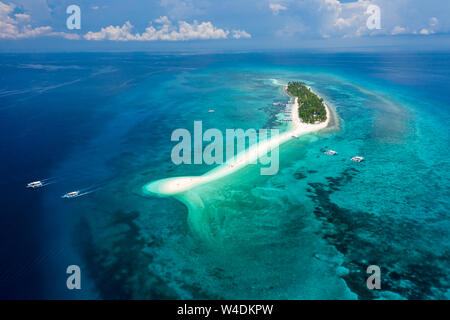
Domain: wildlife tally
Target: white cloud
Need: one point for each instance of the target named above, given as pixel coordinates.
(22, 17)
(276, 8)
(238, 34)
(431, 29)
(346, 19)
(112, 33)
(163, 20)
(325, 19)
(398, 30)
(165, 31)
(16, 27)
(333, 18)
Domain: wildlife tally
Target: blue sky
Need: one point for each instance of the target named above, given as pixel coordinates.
(36, 25)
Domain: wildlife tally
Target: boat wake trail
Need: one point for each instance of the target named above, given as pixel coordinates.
(86, 191)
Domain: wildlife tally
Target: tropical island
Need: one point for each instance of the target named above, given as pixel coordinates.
(311, 108)
(314, 116)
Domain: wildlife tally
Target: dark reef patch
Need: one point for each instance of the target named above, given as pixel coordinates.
(407, 267)
(299, 175)
(117, 268)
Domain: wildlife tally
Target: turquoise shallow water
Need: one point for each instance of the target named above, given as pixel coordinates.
(308, 232)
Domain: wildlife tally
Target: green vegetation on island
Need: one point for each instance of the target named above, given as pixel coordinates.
(311, 107)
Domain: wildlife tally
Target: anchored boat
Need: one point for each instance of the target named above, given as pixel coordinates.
(331, 152)
(357, 159)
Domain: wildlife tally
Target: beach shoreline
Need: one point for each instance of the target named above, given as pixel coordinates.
(177, 185)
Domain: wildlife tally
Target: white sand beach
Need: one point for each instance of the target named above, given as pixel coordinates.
(176, 185)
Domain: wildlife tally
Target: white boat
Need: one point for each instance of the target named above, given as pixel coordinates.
(211, 111)
(357, 159)
(294, 137)
(35, 184)
(72, 194)
(331, 152)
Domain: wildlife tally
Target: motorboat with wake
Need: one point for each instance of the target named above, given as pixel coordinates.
(35, 184)
(41, 183)
(73, 194)
(79, 193)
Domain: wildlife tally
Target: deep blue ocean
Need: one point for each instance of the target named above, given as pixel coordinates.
(102, 122)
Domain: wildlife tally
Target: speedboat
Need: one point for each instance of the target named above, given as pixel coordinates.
(331, 152)
(357, 159)
(72, 194)
(294, 137)
(35, 184)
